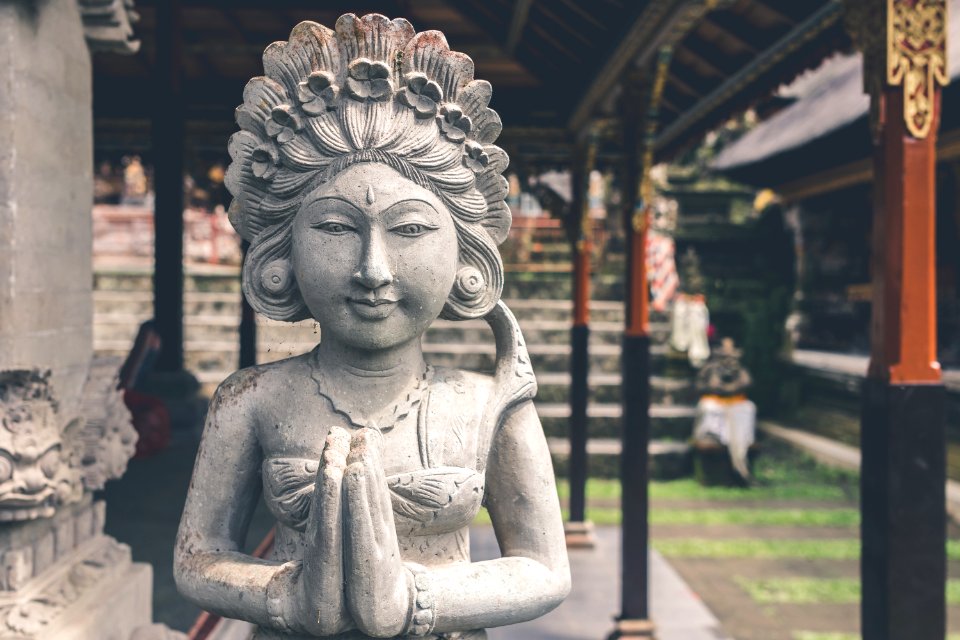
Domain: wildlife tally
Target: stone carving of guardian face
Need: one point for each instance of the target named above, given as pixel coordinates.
(366, 180)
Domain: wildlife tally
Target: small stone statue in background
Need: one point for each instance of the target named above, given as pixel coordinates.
(366, 180)
(724, 415)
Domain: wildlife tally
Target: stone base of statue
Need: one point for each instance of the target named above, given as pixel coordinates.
(630, 628)
(580, 535)
(61, 577)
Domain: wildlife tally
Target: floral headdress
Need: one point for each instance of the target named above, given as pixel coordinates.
(371, 90)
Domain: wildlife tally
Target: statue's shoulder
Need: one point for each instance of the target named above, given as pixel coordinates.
(457, 391)
(479, 394)
(260, 382)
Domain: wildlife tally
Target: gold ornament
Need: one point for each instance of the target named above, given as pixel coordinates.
(916, 57)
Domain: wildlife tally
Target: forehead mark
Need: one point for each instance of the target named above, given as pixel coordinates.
(371, 196)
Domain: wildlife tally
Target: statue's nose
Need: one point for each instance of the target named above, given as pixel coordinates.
(374, 270)
(32, 480)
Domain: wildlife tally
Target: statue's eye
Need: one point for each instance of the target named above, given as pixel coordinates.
(334, 227)
(412, 229)
(50, 461)
(6, 467)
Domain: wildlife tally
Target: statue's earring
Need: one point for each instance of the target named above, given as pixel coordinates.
(275, 277)
(469, 287)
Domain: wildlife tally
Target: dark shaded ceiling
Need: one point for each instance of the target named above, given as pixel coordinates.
(553, 63)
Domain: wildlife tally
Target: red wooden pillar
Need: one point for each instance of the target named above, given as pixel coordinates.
(903, 530)
(640, 127)
(579, 531)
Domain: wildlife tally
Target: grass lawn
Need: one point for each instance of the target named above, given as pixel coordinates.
(780, 473)
(769, 517)
(843, 549)
(817, 590)
(814, 635)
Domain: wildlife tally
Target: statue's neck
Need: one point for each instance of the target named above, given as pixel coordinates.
(368, 376)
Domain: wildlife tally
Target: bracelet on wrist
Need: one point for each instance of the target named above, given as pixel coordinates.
(423, 615)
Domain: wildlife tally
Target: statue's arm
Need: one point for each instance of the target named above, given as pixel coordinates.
(533, 575)
(209, 566)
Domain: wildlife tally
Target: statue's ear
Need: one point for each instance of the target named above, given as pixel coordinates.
(479, 282)
(268, 281)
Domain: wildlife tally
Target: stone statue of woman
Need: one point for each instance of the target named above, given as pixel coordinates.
(366, 180)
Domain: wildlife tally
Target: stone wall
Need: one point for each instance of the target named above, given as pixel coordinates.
(46, 188)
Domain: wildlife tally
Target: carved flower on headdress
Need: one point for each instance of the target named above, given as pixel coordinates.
(266, 161)
(318, 93)
(283, 123)
(369, 80)
(422, 94)
(453, 123)
(474, 157)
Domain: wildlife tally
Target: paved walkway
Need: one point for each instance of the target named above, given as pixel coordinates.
(587, 614)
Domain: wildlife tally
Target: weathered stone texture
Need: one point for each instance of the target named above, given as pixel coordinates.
(45, 193)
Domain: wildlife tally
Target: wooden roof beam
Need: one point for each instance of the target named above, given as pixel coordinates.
(731, 37)
(819, 21)
(771, 13)
(683, 86)
(642, 40)
(517, 22)
(685, 54)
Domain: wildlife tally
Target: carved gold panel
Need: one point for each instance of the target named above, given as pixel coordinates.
(916, 57)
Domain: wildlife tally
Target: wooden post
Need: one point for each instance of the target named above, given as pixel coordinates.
(579, 531)
(903, 523)
(634, 620)
(168, 163)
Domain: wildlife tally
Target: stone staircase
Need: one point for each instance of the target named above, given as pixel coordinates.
(123, 299)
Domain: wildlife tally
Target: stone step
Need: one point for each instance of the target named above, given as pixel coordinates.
(668, 459)
(667, 422)
(606, 388)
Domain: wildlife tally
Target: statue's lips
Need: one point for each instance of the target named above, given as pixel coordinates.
(373, 308)
(25, 500)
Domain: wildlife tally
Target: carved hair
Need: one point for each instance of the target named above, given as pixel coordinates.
(372, 90)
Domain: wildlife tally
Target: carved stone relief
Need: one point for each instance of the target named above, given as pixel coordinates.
(42, 465)
(108, 25)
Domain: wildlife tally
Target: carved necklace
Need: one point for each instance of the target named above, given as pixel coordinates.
(389, 417)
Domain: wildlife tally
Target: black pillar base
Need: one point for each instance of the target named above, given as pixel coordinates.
(580, 534)
(903, 524)
(639, 629)
(634, 479)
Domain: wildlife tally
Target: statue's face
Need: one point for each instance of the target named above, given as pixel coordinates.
(374, 256)
(31, 465)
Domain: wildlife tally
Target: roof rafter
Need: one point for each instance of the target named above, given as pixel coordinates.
(730, 36)
(517, 22)
(642, 39)
(802, 33)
